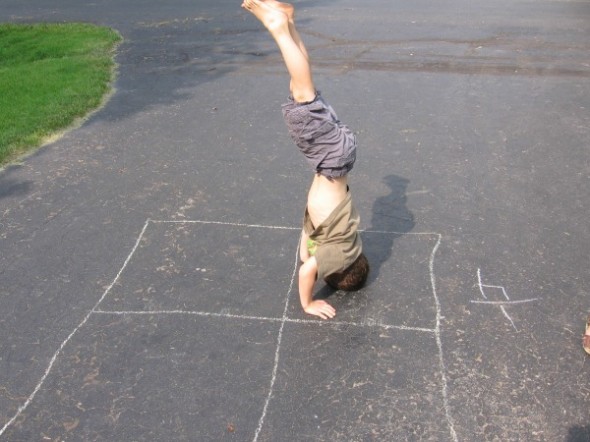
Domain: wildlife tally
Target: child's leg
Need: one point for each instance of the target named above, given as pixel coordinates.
(290, 11)
(278, 24)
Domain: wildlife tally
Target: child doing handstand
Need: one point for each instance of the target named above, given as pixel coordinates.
(331, 248)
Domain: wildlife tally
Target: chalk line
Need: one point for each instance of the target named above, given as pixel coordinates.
(262, 226)
(368, 323)
(223, 223)
(24, 406)
(481, 286)
(441, 361)
(277, 351)
(501, 304)
(508, 317)
(520, 301)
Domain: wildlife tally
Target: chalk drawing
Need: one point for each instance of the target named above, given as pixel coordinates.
(436, 330)
(222, 314)
(502, 303)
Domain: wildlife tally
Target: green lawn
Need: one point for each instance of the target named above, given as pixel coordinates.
(50, 74)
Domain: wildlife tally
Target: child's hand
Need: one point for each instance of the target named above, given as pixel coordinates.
(320, 308)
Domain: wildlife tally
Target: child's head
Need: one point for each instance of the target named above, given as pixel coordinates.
(353, 278)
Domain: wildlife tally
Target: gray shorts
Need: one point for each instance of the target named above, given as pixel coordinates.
(328, 145)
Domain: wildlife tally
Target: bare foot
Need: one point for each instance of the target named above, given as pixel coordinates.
(287, 8)
(271, 18)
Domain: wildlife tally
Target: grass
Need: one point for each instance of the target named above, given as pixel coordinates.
(50, 75)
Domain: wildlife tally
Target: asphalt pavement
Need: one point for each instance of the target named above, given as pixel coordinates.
(148, 258)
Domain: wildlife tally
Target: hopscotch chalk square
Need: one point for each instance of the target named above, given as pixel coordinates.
(154, 377)
(207, 267)
(244, 270)
(340, 382)
(399, 290)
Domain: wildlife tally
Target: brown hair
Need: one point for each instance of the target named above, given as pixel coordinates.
(353, 278)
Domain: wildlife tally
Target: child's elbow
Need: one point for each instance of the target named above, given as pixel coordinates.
(308, 269)
(304, 272)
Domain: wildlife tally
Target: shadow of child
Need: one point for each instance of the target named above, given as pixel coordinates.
(390, 214)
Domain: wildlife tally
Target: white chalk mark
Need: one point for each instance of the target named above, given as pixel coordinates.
(223, 223)
(508, 317)
(389, 232)
(443, 368)
(480, 285)
(497, 287)
(261, 226)
(501, 304)
(520, 301)
(24, 406)
(262, 319)
(278, 350)
(418, 192)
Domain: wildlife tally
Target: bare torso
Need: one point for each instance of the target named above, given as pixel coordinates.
(324, 196)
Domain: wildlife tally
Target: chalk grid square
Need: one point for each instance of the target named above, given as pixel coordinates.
(248, 271)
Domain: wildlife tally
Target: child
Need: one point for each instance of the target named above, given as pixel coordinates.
(331, 247)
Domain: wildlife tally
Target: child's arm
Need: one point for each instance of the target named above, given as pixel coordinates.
(307, 275)
(303, 252)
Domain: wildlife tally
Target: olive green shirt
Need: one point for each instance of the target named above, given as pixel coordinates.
(335, 243)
